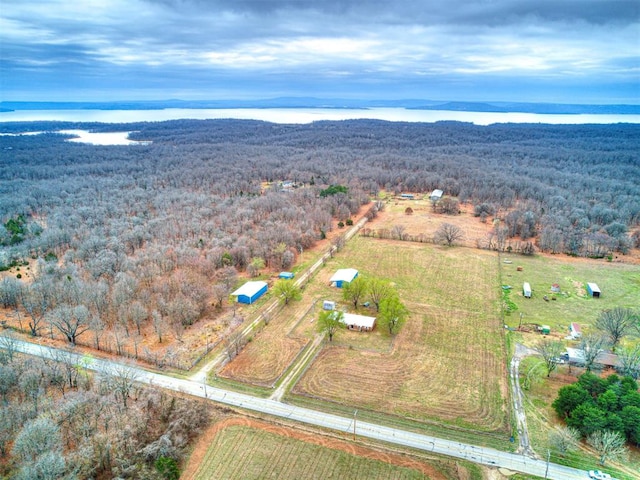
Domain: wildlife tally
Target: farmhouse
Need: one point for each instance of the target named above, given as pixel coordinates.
(286, 275)
(526, 290)
(575, 331)
(603, 360)
(361, 323)
(436, 195)
(250, 292)
(342, 276)
(593, 290)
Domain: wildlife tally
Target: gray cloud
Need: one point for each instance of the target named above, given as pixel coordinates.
(307, 46)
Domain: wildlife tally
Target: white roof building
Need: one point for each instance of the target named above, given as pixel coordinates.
(343, 275)
(358, 322)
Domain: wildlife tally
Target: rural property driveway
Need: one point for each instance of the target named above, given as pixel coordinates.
(201, 374)
(518, 399)
(481, 455)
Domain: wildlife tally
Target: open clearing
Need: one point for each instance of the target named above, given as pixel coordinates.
(423, 221)
(244, 448)
(448, 362)
(619, 283)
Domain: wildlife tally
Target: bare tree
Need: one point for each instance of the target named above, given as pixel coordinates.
(234, 343)
(8, 380)
(609, 445)
(254, 267)
(617, 323)
(448, 234)
(37, 301)
(8, 343)
(228, 276)
(120, 379)
(97, 326)
(11, 293)
(564, 440)
(70, 321)
(398, 232)
(551, 350)
(138, 314)
(447, 205)
(158, 324)
(629, 358)
(591, 345)
(36, 437)
(220, 292)
(31, 385)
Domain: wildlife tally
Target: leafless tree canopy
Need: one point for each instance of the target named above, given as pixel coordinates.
(617, 323)
(448, 234)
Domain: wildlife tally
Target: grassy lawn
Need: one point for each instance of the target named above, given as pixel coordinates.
(454, 331)
(248, 453)
(619, 283)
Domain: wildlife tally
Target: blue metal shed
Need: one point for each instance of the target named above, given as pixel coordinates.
(250, 292)
(286, 275)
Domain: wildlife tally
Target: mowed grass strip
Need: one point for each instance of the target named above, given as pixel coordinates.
(448, 363)
(265, 357)
(242, 452)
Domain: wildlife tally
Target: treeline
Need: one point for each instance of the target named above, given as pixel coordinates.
(158, 230)
(57, 420)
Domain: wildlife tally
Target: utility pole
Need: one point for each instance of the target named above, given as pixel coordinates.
(546, 472)
(354, 424)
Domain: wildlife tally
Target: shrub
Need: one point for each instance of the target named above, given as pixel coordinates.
(168, 468)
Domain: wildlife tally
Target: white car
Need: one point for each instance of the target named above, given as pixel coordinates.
(598, 475)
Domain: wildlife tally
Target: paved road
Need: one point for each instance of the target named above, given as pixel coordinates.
(481, 455)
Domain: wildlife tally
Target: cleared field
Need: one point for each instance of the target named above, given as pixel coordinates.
(252, 450)
(447, 364)
(619, 283)
(424, 221)
(266, 357)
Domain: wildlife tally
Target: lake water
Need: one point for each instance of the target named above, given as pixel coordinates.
(307, 115)
(102, 138)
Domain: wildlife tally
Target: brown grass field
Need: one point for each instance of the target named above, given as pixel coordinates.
(424, 221)
(263, 360)
(448, 363)
(248, 449)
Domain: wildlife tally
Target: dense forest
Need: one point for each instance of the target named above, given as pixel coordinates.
(148, 235)
(59, 421)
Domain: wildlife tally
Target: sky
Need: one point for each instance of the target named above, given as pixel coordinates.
(555, 51)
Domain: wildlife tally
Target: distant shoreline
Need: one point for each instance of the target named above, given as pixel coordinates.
(330, 104)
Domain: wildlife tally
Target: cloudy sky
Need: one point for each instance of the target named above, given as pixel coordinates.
(569, 51)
